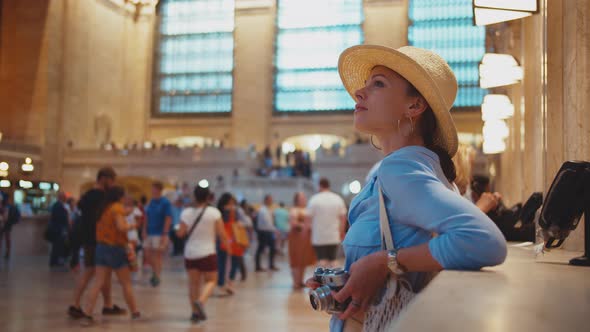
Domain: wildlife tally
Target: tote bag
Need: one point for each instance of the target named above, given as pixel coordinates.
(393, 298)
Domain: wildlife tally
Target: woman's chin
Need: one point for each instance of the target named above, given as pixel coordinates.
(361, 126)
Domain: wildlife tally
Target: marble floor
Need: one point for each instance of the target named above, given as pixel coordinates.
(32, 298)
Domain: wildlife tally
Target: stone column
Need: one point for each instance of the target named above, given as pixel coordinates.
(54, 43)
(253, 75)
(568, 91)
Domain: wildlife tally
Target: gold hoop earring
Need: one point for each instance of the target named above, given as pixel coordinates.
(411, 127)
(373, 144)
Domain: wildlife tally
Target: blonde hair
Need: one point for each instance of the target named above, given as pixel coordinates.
(463, 160)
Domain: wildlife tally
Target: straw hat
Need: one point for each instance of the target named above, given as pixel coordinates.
(427, 71)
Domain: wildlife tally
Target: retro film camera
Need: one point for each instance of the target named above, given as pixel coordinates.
(331, 280)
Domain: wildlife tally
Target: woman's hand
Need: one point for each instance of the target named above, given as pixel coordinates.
(367, 276)
(311, 283)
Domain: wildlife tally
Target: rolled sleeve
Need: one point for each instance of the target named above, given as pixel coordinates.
(466, 238)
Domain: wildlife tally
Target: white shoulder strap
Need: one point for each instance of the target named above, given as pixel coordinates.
(384, 223)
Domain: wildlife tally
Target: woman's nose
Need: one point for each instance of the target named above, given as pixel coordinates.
(360, 94)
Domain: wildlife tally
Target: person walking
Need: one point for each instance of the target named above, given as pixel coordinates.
(11, 217)
(159, 221)
(267, 233)
(201, 225)
(177, 243)
(59, 224)
(235, 251)
(112, 253)
(281, 218)
(91, 205)
(301, 253)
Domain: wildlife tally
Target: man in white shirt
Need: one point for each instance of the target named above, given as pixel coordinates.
(328, 219)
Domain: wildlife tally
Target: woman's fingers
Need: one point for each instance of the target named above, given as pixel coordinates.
(311, 283)
(343, 294)
(353, 307)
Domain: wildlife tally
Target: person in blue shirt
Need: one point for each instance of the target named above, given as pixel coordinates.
(281, 217)
(156, 229)
(177, 243)
(404, 97)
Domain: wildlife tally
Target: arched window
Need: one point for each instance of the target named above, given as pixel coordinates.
(194, 57)
(446, 27)
(311, 35)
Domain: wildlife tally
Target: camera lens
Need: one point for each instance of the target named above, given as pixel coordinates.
(314, 302)
(321, 299)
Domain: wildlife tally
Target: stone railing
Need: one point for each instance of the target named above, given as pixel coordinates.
(20, 148)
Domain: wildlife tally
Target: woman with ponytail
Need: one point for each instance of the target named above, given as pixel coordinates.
(404, 97)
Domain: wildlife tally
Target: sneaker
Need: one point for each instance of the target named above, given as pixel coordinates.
(200, 310)
(114, 311)
(195, 318)
(136, 316)
(260, 270)
(272, 268)
(154, 281)
(87, 320)
(75, 312)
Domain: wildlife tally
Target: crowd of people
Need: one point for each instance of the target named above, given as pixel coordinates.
(291, 164)
(387, 241)
(113, 231)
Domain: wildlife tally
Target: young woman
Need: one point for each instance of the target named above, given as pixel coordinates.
(404, 97)
(199, 252)
(301, 253)
(112, 252)
(228, 206)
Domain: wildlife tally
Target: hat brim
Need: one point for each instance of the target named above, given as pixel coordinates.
(355, 65)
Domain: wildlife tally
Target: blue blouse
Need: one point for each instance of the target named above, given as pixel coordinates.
(420, 201)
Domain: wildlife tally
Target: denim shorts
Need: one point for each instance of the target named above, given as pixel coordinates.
(111, 256)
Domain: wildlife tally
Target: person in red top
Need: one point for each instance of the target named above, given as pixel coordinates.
(228, 206)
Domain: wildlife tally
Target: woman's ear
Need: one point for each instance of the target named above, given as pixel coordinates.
(418, 107)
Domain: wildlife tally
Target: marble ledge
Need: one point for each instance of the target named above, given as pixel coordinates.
(523, 294)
